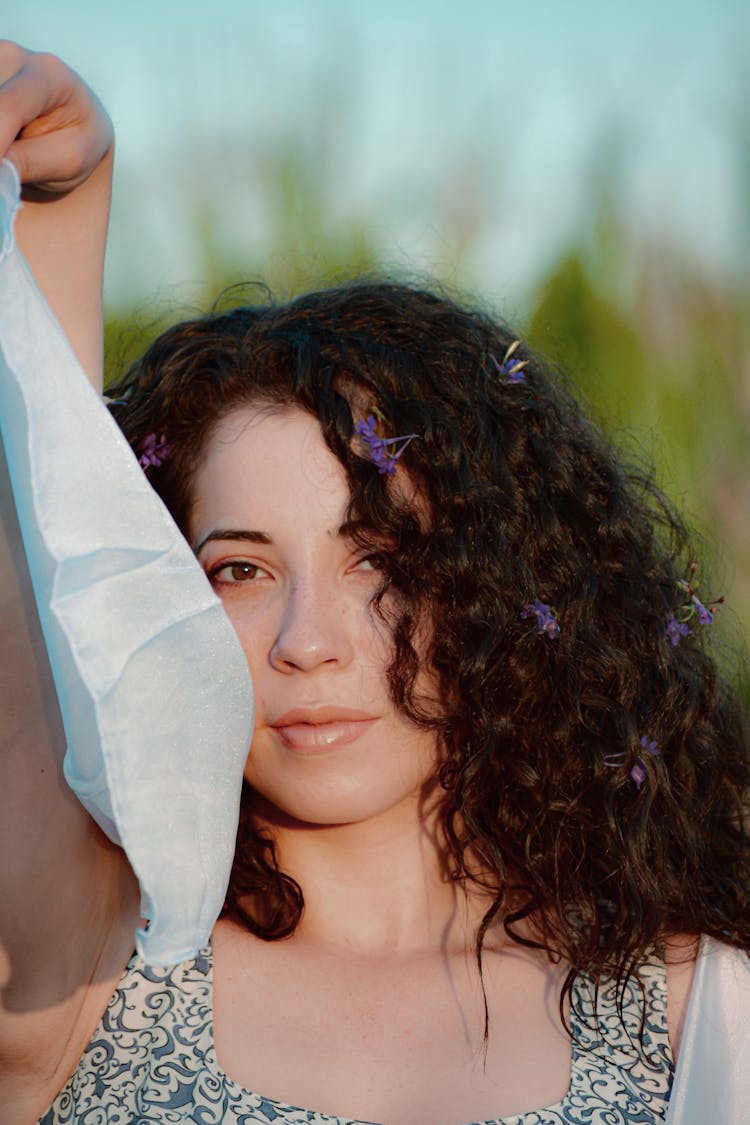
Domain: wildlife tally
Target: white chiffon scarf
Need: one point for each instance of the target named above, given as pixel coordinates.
(712, 1080)
(152, 683)
(154, 687)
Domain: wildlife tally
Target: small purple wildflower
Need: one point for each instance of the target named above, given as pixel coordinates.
(511, 368)
(546, 620)
(690, 608)
(638, 774)
(651, 745)
(153, 453)
(381, 451)
(676, 629)
(705, 616)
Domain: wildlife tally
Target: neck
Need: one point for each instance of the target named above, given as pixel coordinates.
(376, 889)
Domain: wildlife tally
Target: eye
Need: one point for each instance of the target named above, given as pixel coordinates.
(370, 563)
(235, 573)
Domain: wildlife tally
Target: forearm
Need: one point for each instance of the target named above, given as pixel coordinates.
(63, 239)
(56, 132)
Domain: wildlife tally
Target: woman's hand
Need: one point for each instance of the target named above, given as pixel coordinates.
(52, 126)
(56, 132)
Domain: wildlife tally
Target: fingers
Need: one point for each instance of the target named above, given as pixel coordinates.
(54, 163)
(20, 100)
(52, 126)
(11, 57)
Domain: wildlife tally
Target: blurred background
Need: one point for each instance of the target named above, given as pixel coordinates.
(582, 168)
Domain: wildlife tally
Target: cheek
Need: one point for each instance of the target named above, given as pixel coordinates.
(252, 628)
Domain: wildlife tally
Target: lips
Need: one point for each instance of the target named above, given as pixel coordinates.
(311, 730)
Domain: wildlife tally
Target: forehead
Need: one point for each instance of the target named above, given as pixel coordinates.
(271, 464)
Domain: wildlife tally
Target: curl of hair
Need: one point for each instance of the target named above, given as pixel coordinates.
(525, 498)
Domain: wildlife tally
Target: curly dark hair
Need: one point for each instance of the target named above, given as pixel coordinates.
(539, 734)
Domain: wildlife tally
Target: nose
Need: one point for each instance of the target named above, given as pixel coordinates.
(313, 631)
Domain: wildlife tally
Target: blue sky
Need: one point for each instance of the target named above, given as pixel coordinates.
(421, 111)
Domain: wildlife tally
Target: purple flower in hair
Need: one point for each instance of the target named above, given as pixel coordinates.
(546, 619)
(383, 451)
(651, 745)
(510, 368)
(691, 607)
(638, 772)
(676, 629)
(153, 453)
(705, 616)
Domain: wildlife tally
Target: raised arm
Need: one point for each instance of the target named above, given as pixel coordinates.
(67, 897)
(56, 132)
(124, 606)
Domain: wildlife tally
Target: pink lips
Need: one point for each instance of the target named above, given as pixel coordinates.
(311, 730)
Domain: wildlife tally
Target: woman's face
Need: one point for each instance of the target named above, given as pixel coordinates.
(329, 747)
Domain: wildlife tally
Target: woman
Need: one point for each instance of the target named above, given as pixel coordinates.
(495, 786)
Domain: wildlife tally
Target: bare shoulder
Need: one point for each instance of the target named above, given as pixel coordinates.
(681, 952)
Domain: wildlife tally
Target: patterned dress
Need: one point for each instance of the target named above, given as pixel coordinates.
(152, 1060)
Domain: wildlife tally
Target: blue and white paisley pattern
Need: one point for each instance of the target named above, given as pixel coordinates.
(152, 1059)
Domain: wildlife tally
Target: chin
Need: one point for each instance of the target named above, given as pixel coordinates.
(368, 780)
(327, 807)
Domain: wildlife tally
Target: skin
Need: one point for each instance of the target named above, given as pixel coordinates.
(372, 1009)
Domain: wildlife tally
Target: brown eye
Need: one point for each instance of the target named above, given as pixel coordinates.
(242, 571)
(235, 573)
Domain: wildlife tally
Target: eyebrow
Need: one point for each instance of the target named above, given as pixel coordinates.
(220, 533)
(232, 533)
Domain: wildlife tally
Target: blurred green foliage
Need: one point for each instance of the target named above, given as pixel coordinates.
(660, 349)
(665, 367)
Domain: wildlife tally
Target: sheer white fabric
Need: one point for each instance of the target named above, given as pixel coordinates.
(712, 1080)
(152, 682)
